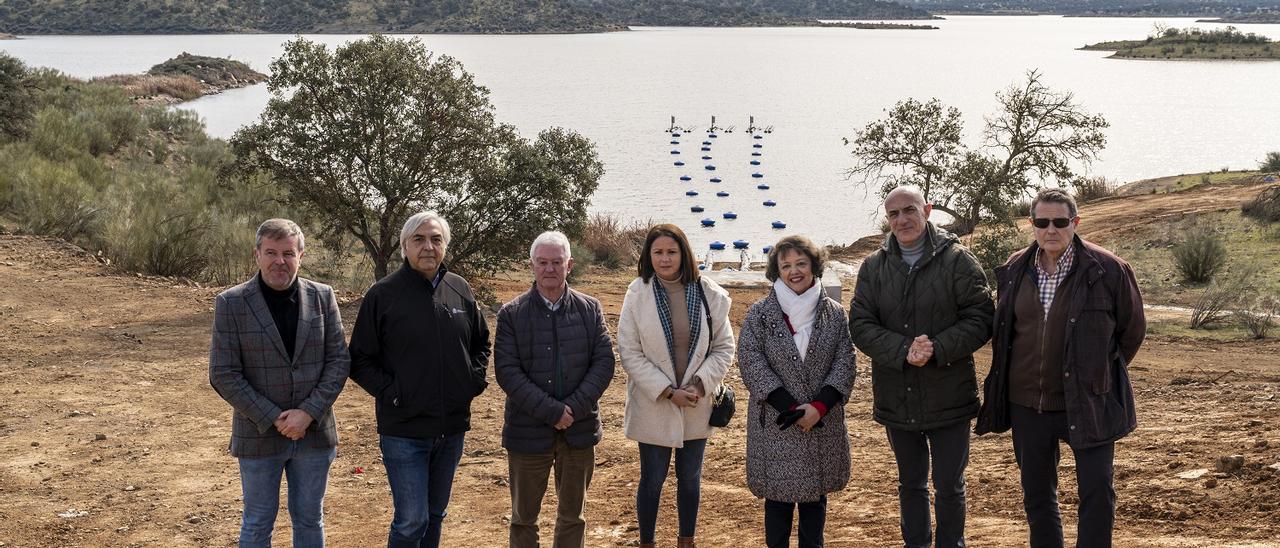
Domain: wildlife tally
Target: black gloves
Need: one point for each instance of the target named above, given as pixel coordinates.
(787, 418)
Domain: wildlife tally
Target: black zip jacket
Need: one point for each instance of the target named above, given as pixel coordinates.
(421, 352)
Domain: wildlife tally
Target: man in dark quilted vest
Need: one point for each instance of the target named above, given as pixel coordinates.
(554, 359)
(920, 310)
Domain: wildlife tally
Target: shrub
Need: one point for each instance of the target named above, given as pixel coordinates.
(1213, 304)
(1093, 188)
(155, 229)
(52, 199)
(608, 241)
(17, 105)
(1201, 255)
(177, 123)
(1265, 206)
(1259, 318)
(994, 246)
(1271, 164)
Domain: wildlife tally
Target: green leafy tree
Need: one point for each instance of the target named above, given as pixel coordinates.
(17, 104)
(1037, 136)
(380, 128)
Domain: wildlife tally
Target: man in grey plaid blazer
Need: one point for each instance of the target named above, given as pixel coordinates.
(279, 357)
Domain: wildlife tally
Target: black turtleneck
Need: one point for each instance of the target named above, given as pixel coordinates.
(284, 311)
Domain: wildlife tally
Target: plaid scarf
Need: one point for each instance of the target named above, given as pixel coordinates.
(693, 301)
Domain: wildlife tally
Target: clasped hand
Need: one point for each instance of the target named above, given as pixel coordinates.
(293, 424)
(921, 351)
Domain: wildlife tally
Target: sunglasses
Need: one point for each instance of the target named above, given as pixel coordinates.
(1058, 222)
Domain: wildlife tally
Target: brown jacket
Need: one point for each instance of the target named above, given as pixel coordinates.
(1105, 327)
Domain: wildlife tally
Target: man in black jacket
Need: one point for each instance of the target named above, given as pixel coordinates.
(554, 360)
(1069, 323)
(919, 311)
(420, 348)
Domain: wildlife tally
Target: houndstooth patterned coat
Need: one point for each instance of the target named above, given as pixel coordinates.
(793, 465)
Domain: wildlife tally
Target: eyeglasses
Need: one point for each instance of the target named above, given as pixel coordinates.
(1058, 222)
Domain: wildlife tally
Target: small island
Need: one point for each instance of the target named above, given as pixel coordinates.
(1193, 43)
(1271, 18)
(184, 78)
(865, 25)
(5, 36)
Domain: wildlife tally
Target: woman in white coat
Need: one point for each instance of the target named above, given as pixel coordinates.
(675, 355)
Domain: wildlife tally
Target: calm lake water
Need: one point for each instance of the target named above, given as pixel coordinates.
(813, 86)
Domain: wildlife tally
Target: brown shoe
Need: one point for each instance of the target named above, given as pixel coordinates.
(685, 542)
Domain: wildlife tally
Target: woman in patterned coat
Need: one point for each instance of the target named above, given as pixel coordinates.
(797, 362)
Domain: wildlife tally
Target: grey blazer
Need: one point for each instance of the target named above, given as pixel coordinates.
(249, 367)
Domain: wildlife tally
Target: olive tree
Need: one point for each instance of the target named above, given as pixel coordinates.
(378, 129)
(1035, 137)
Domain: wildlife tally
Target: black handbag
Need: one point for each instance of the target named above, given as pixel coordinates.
(722, 403)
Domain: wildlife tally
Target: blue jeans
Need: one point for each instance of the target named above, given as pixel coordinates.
(421, 475)
(948, 448)
(307, 471)
(655, 460)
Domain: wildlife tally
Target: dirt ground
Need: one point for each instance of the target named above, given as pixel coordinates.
(111, 436)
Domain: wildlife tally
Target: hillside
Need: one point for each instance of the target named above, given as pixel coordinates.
(111, 436)
(421, 16)
(1106, 8)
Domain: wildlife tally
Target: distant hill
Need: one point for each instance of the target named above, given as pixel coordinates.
(421, 16)
(1107, 8)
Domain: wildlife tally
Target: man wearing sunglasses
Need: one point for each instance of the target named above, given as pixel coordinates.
(1069, 321)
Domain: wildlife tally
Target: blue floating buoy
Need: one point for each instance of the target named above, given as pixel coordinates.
(675, 142)
(766, 249)
(711, 135)
(757, 136)
(779, 224)
(740, 244)
(755, 162)
(722, 194)
(675, 152)
(706, 149)
(755, 153)
(730, 215)
(706, 157)
(757, 175)
(708, 222)
(679, 163)
(762, 186)
(717, 245)
(770, 203)
(686, 178)
(690, 193)
(711, 167)
(702, 267)
(707, 143)
(757, 145)
(715, 179)
(675, 134)
(696, 209)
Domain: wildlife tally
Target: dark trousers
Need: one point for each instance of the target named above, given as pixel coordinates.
(529, 471)
(1035, 446)
(420, 472)
(655, 460)
(948, 446)
(777, 523)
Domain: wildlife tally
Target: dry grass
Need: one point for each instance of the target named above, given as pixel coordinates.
(184, 88)
(611, 242)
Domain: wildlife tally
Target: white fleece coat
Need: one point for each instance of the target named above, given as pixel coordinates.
(649, 417)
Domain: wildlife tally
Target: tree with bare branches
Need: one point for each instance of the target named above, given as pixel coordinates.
(1037, 136)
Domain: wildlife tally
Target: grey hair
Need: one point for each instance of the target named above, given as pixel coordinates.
(912, 190)
(551, 237)
(276, 229)
(417, 220)
(1055, 196)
